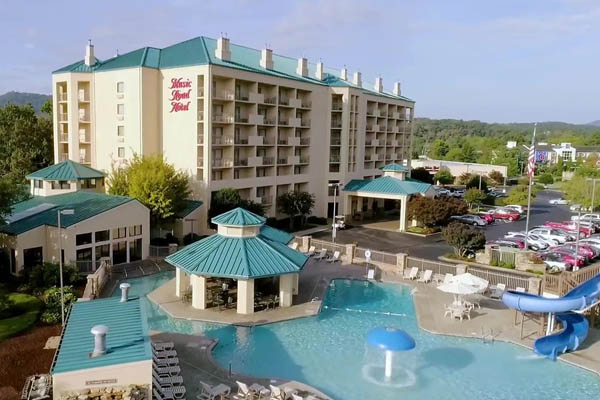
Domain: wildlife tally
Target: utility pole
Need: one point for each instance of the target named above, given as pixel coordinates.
(531, 172)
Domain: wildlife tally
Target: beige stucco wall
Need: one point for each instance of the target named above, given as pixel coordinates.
(139, 373)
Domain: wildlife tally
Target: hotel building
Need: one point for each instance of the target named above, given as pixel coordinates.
(231, 117)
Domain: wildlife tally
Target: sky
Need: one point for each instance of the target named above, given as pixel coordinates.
(491, 60)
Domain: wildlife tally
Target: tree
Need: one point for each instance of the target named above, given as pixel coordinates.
(444, 177)
(463, 238)
(467, 153)
(439, 149)
(26, 143)
(496, 177)
(421, 174)
(464, 178)
(434, 212)
(8, 196)
(474, 196)
(52, 312)
(546, 179)
(46, 275)
(154, 183)
(579, 191)
(519, 195)
(476, 181)
(227, 199)
(296, 203)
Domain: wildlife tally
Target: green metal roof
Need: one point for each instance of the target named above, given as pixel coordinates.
(275, 234)
(190, 206)
(394, 167)
(201, 51)
(66, 171)
(239, 217)
(126, 341)
(237, 257)
(85, 204)
(387, 185)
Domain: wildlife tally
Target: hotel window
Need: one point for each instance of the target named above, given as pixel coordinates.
(119, 253)
(135, 250)
(121, 152)
(102, 236)
(236, 174)
(120, 109)
(102, 251)
(61, 185)
(566, 156)
(120, 131)
(217, 175)
(260, 172)
(120, 87)
(135, 230)
(119, 233)
(83, 239)
(88, 184)
(38, 184)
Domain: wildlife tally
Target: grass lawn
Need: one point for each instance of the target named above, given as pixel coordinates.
(27, 310)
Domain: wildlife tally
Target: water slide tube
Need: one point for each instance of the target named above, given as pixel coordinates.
(575, 326)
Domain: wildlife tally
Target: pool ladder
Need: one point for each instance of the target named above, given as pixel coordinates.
(487, 338)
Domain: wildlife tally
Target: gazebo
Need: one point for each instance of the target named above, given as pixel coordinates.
(243, 251)
(393, 185)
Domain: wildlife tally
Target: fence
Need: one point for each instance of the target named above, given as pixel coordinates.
(96, 281)
(436, 266)
(511, 280)
(377, 257)
(498, 256)
(161, 251)
(331, 247)
(561, 283)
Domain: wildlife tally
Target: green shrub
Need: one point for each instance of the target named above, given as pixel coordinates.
(190, 238)
(51, 314)
(316, 220)
(46, 275)
(546, 179)
(6, 305)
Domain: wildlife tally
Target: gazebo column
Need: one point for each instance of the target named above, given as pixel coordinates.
(245, 296)
(359, 206)
(403, 204)
(369, 206)
(286, 290)
(181, 282)
(296, 283)
(198, 292)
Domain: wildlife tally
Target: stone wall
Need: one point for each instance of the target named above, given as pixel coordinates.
(131, 392)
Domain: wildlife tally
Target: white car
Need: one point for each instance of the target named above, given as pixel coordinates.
(554, 263)
(549, 234)
(558, 201)
(595, 241)
(518, 208)
(587, 217)
(534, 242)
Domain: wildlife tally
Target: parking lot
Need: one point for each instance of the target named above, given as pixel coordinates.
(434, 246)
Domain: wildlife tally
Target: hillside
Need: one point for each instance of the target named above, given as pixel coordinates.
(19, 98)
(595, 123)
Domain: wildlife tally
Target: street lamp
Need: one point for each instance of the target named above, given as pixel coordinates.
(335, 187)
(68, 211)
(578, 206)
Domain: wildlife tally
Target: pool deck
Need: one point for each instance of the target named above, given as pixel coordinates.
(493, 321)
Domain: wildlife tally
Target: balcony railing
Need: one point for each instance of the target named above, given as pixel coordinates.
(241, 141)
(336, 141)
(84, 139)
(304, 141)
(282, 160)
(267, 161)
(241, 162)
(304, 160)
(305, 122)
(269, 121)
(222, 118)
(337, 106)
(62, 97)
(221, 163)
(222, 140)
(83, 160)
(200, 92)
(223, 95)
(84, 118)
(64, 157)
(336, 124)
(334, 159)
(200, 116)
(63, 117)
(63, 137)
(200, 139)
(306, 104)
(270, 100)
(282, 141)
(200, 162)
(242, 97)
(241, 120)
(284, 122)
(284, 101)
(84, 99)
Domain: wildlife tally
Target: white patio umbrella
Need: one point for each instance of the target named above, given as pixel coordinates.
(458, 289)
(471, 280)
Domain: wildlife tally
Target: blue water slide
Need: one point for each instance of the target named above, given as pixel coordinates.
(575, 326)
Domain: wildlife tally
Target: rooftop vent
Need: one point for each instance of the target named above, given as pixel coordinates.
(397, 90)
(222, 51)
(319, 74)
(357, 80)
(124, 291)
(89, 54)
(99, 332)
(344, 74)
(302, 67)
(379, 84)
(266, 58)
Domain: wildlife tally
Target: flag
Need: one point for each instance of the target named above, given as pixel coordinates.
(531, 162)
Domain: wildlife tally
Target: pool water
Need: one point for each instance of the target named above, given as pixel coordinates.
(328, 351)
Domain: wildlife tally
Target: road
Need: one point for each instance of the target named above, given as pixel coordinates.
(435, 246)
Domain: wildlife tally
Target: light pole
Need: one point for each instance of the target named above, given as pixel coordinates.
(335, 187)
(68, 211)
(593, 191)
(578, 233)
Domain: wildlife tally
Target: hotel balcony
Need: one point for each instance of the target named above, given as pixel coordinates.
(296, 103)
(242, 119)
(337, 107)
(225, 95)
(62, 97)
(270, 100)
(304, 160)
(222, 118)
(83, 138)
(222, 141)
(63, 137)
(201, 139)
(84, 160)
(334, 158)
(222, 163)
(83, 98)
(200, 162)
(256, 97)
(63, 117)
(240, 162)
(200, 116)
(283, 161)
(335, 141)
(268, 121)
(306, 104)
(266, 161)
(265, 200)
(283, 141)
(304, 142)
(305, 123)
(84, 118)
(242, 97)
(256, 119)
(283, 101)
(200, 92)
(336, 124)
(64, 157)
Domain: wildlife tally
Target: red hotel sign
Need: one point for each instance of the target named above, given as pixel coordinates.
(180, 90)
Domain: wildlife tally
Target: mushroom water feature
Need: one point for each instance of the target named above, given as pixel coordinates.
(390, 341)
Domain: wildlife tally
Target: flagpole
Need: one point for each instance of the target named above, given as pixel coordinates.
(531, 172)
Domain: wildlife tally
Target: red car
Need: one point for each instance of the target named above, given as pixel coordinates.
(487, 217)
(506, 214)
(584, 250)
(570, 227)
(566, 252)
(564, 257)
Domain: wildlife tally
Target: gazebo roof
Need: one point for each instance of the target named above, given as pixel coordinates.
(387, 185)
(239, 217)
(238, 257)
(394, 167)
(67, 170)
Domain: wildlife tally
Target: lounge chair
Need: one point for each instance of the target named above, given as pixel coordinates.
(426, 276)
(165, 362)
(294, 246)
(212, 392)
(334, 258)
(168, 371)
(164, 354)
(310, 252)
(177, 392)
(260, 390)
(414, 273)
(167, 381)
(447, 278)
(162, 346)
(520, 290)
(158, 395)
(322, 254)
(284, 393)
(243, 392)
(498, 291)
(371, 274)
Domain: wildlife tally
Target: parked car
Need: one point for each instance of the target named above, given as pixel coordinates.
(549, 234)
(570, 226)
(534, 242)
(458, 193)
(595, 241)
(584, 250)
(581, 260)
(487, 217)
(506, 214)
(516, 207)
(556, 261)
(587, 217)
(469, 219)
(558, 201)
(513, 243)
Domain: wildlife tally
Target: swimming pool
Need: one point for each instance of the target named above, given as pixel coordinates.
(328, 351)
